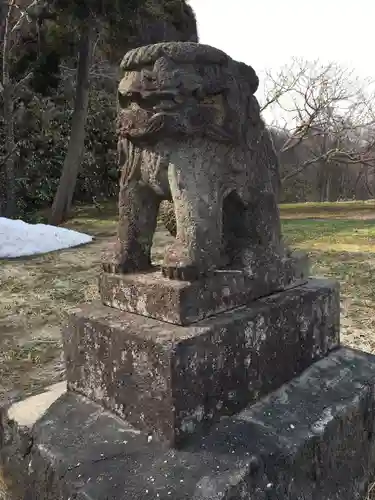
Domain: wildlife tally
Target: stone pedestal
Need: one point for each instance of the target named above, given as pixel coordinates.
(182, 302)
(175, 381)
(258, 401)
(313, 438)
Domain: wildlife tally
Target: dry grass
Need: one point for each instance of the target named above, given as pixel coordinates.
(337, 210)
(345, 250)
(36, 295)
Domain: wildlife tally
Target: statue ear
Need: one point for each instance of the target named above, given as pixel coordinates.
(147, 74)
(248, 74)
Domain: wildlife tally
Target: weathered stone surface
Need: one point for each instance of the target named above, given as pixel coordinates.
(190, 131)
(183, 302)
(16, 423)
(175, 381)
(312, 439)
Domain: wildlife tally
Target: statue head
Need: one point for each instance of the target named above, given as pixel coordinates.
(174, 89)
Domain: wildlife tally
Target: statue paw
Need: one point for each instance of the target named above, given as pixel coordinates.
(178, 265)
(111, 259)
(181, 272)
(115, 261)
(112, 263)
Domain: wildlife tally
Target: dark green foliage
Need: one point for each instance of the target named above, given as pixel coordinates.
(107, 10)
(24, 56)
(182, 17)
(99, 175)
(43, 109)
(46, 74)
(150, 21)
(40, 52)
(43, 128)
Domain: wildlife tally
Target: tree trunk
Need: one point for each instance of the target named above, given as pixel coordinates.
(64, 195)
(7, 173)
(328, 188)
(367, 183)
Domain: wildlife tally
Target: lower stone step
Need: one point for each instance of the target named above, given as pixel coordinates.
(314, 438)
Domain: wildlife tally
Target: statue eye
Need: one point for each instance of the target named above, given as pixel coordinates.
(149, 76)
(196, 93)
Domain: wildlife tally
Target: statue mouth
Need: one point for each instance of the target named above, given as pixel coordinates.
(146, 118)
(154, 125)
(149, 99)
(148, 124)
(166, 105)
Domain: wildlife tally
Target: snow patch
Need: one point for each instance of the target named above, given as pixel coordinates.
(19, 239)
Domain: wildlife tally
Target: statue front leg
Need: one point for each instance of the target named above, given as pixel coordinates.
(198, 246)
(138, 210)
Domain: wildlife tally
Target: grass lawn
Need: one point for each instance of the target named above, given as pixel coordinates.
(37, 293)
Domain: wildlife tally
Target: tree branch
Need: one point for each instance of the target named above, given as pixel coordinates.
(8, 155)
(23, 81)
(6, 45)
(24, 14)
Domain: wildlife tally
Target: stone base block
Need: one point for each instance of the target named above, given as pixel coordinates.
(175, 381)
(314, 438)
(183, 303)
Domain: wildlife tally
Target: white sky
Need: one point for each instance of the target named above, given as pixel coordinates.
(267, 33)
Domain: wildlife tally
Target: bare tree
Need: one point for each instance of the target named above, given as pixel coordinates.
(326, 118)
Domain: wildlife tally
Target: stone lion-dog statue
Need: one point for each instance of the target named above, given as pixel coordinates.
(190, 132)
